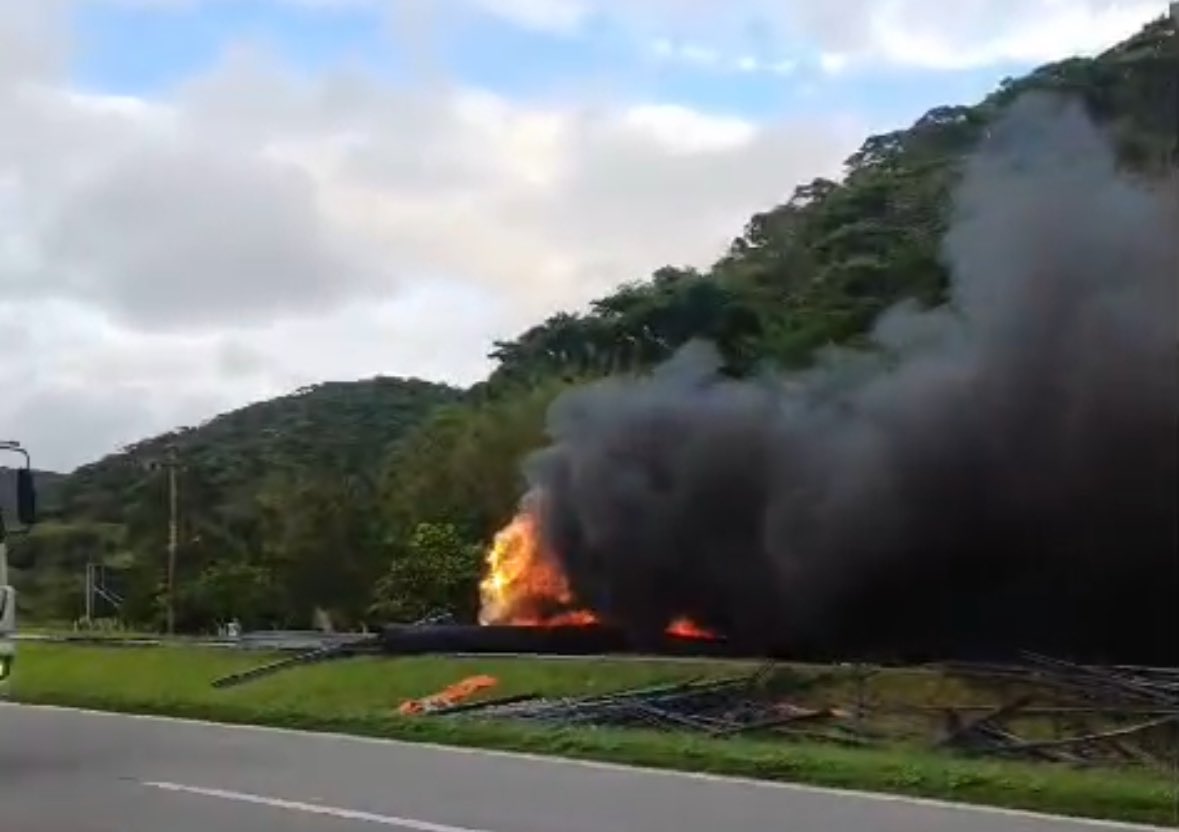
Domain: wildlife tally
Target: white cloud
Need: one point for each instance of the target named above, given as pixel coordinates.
(833, 63)
(978, 34)
(683, 130)
(687, 53)
(917, 33)
(77, 385)
(32, 41)
(774, 36)
(547, 15)
(257, 229)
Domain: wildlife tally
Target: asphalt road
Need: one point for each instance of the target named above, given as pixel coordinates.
(72, 771)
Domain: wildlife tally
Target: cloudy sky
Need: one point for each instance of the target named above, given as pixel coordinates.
(208, 202)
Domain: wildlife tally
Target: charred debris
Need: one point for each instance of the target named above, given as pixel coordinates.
(1035, 708)
(1047, 710)
(1066, 712)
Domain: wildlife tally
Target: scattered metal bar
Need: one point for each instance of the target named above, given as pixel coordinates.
(1037, 710)
(773, 722)
(471, 707)
(319, 654)
(964, 730)
(1096, 737)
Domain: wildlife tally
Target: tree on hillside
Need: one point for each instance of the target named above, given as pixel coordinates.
(436, 571)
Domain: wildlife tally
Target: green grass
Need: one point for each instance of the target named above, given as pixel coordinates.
(361, 696)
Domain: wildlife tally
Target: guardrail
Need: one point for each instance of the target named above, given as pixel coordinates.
(296, 641)
(264, 640)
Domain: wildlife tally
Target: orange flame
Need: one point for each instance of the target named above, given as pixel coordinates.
(686, 628)
(525, 586)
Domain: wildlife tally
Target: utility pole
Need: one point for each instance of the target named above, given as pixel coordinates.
(171, 465)
(173, 535)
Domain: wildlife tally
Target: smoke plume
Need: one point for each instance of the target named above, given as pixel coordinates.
(996, 474)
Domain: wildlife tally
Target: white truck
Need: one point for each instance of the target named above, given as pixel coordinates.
(26, 516)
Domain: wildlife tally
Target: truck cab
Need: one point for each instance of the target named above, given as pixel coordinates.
(26, 516)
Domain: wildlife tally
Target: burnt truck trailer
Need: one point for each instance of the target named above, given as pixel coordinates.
(566, 640)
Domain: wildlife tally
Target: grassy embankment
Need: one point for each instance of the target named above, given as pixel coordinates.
(360, 696)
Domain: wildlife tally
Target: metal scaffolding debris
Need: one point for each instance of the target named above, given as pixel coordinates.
(1041, 708)
(1051, 710)
(1098, 714)
(717, 707)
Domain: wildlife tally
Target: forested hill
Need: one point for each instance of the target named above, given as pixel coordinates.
(251, 483)
(819, 267)
(337, 426)
(372, 499)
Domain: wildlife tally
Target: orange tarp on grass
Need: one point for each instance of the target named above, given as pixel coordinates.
(452, 695)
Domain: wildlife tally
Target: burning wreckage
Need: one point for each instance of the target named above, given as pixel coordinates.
(999, 475)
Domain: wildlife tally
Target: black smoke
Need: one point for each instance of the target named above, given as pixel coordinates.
(997, 474)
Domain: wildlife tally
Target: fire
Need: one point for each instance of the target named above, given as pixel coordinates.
(686, 628)
(525, 586)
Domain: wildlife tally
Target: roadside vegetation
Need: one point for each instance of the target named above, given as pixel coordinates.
(360, 696)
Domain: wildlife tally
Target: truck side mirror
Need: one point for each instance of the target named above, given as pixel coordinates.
(26, 497)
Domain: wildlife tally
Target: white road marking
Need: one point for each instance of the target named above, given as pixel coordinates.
(311, 808)
(933, 803)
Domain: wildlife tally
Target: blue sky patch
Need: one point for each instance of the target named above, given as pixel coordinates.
(143, 50)
(146, 51)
